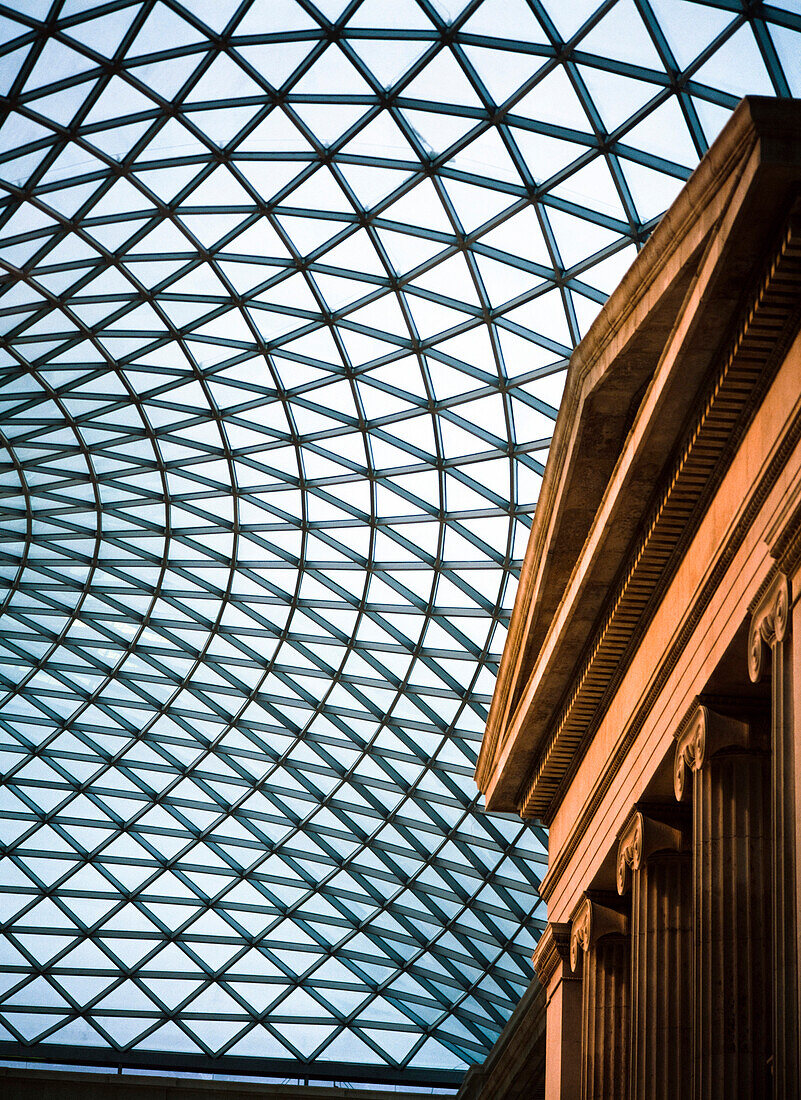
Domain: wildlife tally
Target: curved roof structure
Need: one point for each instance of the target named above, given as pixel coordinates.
(287, 292)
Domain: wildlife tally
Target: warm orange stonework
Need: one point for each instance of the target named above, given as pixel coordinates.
(645, 702)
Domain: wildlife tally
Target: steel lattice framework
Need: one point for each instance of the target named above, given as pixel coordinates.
(287, 291)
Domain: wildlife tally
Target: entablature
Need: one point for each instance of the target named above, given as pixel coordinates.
(571, 637)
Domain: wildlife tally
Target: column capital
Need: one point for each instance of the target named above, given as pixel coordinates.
(706, 733)
(641, 837)
(591, 921)
(769, 624)
(552, 951)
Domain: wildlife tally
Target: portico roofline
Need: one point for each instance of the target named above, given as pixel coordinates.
(628, 470)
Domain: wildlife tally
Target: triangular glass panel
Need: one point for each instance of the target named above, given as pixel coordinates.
(224, 80)
(329, 121)
(331, 74)
(689, 28)
(320, 191)
(737, 67)
(401, 13)
(276, 61)
(104, 33)
(62, 106)
(623, 36)
(57, 62)
(382, 138)
(554, 100)
(664, 133)
(437, 131)
(652, 191)
(569, 18)
(267, 16)
(371, 184)
(502, 71)
(389, 59)
(443, 80)
(119, 99)
(510, 19)
(307, 234)
(545, 155)
(161, 26)
(616, 97)
(421, 207)
(167, 77)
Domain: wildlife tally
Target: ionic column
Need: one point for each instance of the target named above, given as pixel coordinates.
(562, 984)
(731, 904)
(770, 631)
(599, 933)
(651, 858)
(795, 646)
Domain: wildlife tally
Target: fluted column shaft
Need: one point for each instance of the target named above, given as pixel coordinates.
(653, 858)
(732, 907)
(770, 626)
(731, 811)
(600, 933)
(605, 1019)
(661, 1010)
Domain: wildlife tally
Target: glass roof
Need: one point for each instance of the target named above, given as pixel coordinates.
(287, 292)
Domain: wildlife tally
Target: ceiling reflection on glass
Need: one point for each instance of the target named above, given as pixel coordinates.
(287, 292)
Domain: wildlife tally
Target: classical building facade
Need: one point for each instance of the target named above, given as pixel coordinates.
(648, 702)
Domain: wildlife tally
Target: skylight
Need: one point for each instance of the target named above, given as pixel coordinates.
(287, 293)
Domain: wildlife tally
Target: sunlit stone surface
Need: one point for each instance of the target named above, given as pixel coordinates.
(287, 293)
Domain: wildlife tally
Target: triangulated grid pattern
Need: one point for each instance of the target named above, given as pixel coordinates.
(287, 291)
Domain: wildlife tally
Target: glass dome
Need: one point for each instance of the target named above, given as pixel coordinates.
(287, 294)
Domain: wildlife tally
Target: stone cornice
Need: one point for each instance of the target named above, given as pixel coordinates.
(515, 729)
(784, 535)
(560, 860)
(730, 396)
(666, 253)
